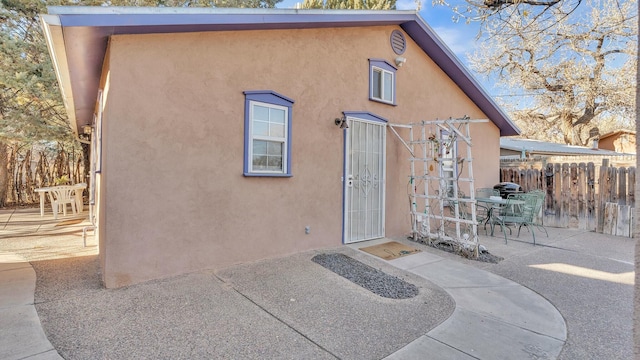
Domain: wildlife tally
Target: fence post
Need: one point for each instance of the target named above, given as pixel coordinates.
(582, 184)
(557, 194)
(622, 186)
(572, 208)
(613, 183)
(603, 185)
(631, 187)
(592, 219)
(548, 188)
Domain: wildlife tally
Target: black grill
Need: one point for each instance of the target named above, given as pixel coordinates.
(507, 188)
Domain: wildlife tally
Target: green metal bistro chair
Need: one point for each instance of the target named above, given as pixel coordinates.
(484, 211)
(538, 217)
(518, 210)
(464, 211)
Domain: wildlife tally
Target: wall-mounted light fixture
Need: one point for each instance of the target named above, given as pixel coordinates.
(86, 129)
(341, 122)
(400, 61)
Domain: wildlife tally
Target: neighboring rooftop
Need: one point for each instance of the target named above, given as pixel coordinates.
(618, 132)
(537, 147)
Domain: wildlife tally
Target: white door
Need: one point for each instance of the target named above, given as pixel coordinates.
(365, 182)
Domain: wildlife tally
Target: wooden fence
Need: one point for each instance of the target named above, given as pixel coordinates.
(584, 196)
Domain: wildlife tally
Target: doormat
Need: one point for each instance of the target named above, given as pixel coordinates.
(390, 250)
(70, 222)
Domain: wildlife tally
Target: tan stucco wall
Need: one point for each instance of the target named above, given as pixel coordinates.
(623, 143)
(174, 197)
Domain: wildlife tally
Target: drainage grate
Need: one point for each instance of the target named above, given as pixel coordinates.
(374, 280)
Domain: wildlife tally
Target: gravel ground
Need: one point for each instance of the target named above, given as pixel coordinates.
(374, 280)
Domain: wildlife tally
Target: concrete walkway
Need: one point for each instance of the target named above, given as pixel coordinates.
(494, 318)
(22, 335)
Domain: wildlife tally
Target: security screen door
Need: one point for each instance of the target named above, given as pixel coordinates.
(365, 182)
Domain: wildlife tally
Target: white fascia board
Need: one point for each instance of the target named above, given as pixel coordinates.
(55, 43)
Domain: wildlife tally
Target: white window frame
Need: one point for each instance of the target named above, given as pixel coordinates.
(383, 67)
(284, 140)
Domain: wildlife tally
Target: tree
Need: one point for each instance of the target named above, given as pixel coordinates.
(350, 4)
(484, 10)
(574, 71)
(31, 107)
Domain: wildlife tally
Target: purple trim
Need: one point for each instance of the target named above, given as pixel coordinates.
(365, 115)
(267, 97)
(238, 21)
(449, 63)
(382, 64)
(85, 47)
(248, 174)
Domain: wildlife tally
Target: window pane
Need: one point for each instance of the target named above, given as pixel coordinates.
(267, 155)
(260, 128)
(259, 162)
(260, 113)
(388, 86)
(277, 116)
(259, 147)
(276, 130)
(274, 163)
(376, 84)
(274, 148)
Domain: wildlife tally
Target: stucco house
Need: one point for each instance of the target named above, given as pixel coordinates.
(225, 136)
(622, 141)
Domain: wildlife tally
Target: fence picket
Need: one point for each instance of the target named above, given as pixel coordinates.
(602, 193)
(623, 221)
(622, 186)
(578, 194)
(610, 212)
(581, 202)
(631, 187)
(591, 197)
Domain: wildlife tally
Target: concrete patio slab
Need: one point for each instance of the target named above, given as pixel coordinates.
(23, 336)
(417, 349)
(451, 274)
(514, 305)
(486, 338)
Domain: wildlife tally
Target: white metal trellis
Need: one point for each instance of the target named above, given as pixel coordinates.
(438, 191)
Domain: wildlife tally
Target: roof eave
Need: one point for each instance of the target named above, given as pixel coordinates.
(440, 53)
(55, 43)
(107, 21)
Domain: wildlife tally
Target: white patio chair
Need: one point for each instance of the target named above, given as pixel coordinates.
(60, 197)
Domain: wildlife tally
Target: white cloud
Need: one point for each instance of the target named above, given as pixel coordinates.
(461, 41)
(407, 4)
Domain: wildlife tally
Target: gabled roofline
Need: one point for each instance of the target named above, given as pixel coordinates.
(78, 58)
(613, 133)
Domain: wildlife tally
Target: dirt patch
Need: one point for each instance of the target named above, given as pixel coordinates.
(451, 247)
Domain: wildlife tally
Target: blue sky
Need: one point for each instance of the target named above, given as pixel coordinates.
(459, 37)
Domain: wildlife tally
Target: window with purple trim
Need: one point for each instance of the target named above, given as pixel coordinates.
(382, 81)
(267, 134)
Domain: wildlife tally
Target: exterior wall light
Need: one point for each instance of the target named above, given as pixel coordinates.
(341, 122)
(400, 61)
